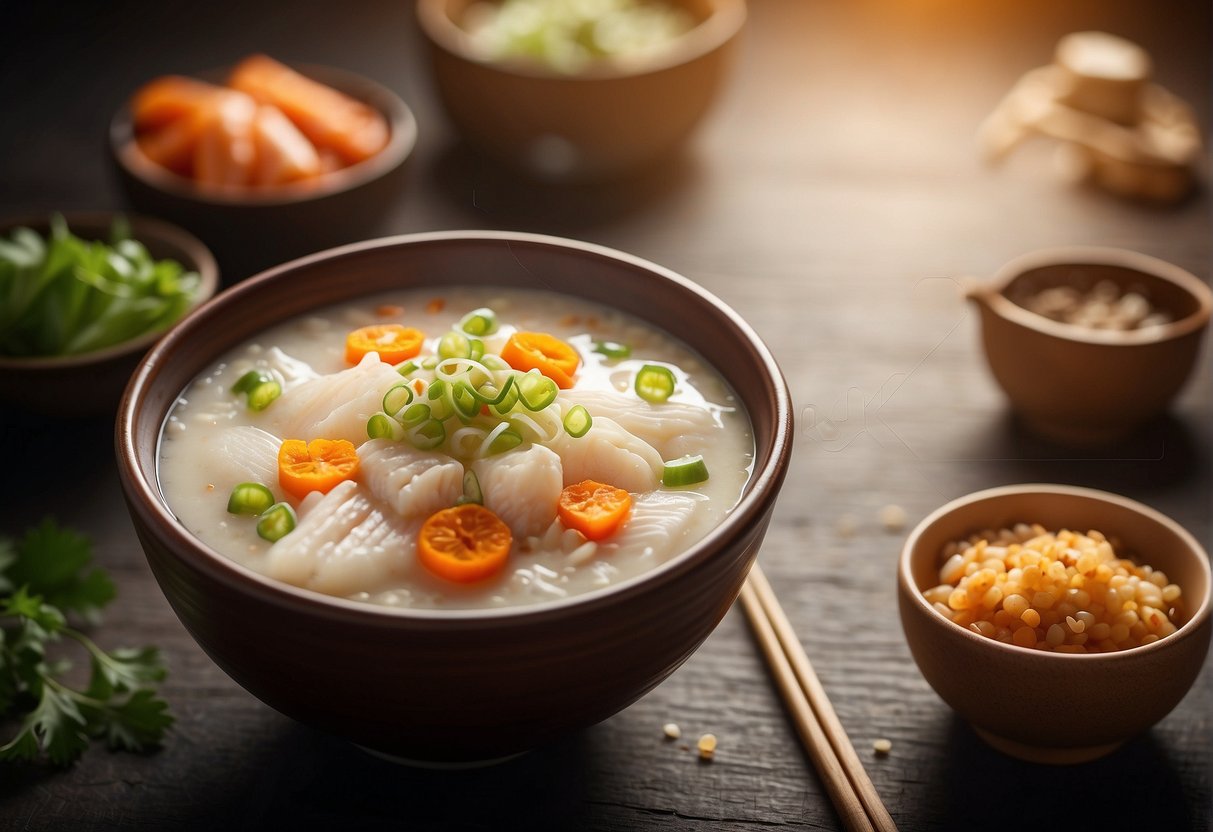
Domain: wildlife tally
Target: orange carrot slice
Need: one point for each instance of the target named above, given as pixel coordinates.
(168, 99)
(543, 352)
(595, 509)
(173, 145)
(319, 465)
(393, 342)
(283, 154)
(464, 544)
(226, 153)
(331, 119)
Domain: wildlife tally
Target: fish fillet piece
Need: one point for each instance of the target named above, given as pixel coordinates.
(413, 483)
(655, 527)
(609, 454)
(334, 406)
(346, 542)
(522, 487)
(668, 426)
(248, 454)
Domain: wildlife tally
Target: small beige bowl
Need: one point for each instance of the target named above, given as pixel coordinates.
(1055, 707)
(96, 379)
(613, 117)
(1084, 386)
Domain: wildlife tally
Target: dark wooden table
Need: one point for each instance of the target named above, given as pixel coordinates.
(831, 199)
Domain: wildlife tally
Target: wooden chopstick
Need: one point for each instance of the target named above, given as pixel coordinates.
(820, 731)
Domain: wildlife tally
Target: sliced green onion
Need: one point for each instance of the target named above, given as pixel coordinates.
(612, 349)
(429, 363)
(577, 422)
(250, 498)
(471, 489)
(686, 470)
(504, 441)
(494, 362)
(397, 399)
(259, 397)
(654, 383)
(414, 415)
(250, 380)
(537, 390)
(475, 349)
(427, 435)
(481, 321)
(276, 523)
(508, 397)
(382, 426)
(465, 400)
(454, 345)
(436, 389)
(408, 367)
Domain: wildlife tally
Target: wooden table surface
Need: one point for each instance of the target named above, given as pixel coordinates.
(831, 198)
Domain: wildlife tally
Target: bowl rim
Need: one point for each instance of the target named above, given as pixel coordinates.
(990, 292)
(402, 139)
(910, 592)
(757, 498)
(722, 24)
(143, 228)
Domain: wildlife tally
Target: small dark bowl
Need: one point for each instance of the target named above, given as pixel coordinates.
(258, 227)
(453, 685)
(98, 378)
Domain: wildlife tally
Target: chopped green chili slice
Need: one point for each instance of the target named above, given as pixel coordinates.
(382, 426)
(276, 523)
(250, 498)
(577, 422)
(250, 380)
(397, 399)
(687, 470)
(427, 435)
(481, 321)
(471, 489)
(465, 400)
(504, 441)
(612, 349)
(259, 397)
(454, 345)
(654, 383)
(537, 391)
(414, 415)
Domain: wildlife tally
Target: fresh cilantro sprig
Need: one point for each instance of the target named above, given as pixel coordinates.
(45, 577)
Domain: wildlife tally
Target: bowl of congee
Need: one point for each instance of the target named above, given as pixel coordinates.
(452, 495)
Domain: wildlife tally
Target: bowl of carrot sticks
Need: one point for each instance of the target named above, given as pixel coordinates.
(262, 160)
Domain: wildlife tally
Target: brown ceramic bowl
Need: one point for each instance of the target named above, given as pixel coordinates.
(1084, 386)
(256, 227)
(97, 378)
(610, 118)
(461, 685)
(1055, 707)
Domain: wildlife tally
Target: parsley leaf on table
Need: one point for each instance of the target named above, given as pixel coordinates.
(46, 574)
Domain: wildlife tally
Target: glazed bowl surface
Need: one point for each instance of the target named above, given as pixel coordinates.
(252, 229)
(607, 120)
(96, 379)
(453, 685)
(1044, 706)
(1082, 386)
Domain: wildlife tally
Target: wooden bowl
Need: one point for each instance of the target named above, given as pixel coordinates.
(96, 379)
(1085, 386)
(453, 685)
(254, 228)
(593, 125)
(1055, 707)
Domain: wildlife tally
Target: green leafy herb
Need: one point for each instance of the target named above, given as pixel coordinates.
(63, 295)
(44, 576)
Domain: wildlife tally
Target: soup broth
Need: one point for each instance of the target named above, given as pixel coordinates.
(464, 420)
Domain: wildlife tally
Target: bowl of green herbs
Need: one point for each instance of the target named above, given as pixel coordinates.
(82, 298)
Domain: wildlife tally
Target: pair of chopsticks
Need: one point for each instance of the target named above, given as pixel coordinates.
(822, 734)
